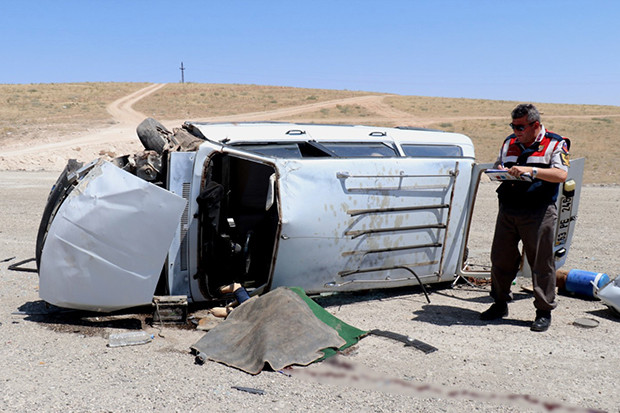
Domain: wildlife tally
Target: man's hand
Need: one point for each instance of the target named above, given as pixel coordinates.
(520, 170)
(546, 174)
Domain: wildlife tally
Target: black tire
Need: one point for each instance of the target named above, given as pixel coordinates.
(153, 135)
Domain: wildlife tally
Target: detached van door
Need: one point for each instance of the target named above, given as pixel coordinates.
(567, 205)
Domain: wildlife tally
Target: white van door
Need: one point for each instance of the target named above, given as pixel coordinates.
(567, 205)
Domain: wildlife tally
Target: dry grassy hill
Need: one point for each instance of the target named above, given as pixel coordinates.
(40, 111)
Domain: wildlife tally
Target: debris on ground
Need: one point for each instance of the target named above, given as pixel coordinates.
(586, 322)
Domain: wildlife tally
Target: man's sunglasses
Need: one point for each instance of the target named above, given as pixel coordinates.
(521, 128)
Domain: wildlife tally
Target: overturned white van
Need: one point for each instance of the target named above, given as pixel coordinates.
(322, 207)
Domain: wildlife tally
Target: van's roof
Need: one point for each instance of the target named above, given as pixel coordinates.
(231, 133)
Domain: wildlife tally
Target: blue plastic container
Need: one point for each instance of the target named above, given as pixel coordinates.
(585, 282)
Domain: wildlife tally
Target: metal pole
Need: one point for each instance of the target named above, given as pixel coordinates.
(182, 73)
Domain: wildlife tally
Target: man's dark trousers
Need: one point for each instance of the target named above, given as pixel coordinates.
(536, 229)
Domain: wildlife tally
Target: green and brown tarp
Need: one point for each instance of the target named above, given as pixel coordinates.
(281, 328)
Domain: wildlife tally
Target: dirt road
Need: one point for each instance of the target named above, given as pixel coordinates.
(122, 109)
(120, 138)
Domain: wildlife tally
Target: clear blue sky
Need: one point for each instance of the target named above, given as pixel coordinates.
(559, 51)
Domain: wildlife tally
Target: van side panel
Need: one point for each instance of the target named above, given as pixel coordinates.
(351, 225)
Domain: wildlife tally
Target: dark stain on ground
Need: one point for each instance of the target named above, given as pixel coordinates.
(90, 323)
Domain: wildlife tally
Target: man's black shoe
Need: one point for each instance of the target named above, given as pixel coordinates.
(497, 310)
(542, 321)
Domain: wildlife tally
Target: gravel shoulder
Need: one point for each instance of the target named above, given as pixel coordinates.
(57, 362)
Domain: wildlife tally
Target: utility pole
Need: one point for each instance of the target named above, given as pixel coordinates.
(182, 73)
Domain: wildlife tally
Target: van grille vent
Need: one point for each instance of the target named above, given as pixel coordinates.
(184, 226)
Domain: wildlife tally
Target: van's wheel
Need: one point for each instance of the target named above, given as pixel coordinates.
(153, 135)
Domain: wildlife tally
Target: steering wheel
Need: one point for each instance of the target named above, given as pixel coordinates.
(246, 256)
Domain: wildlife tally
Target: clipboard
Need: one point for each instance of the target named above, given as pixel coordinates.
(501, 175)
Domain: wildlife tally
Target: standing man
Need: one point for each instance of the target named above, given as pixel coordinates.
(527, 213)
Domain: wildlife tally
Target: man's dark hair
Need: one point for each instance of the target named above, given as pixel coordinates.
(526, 109)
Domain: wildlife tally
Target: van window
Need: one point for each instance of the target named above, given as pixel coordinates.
(359, 150)
(313, 149)
(433, 151)
(277, 150)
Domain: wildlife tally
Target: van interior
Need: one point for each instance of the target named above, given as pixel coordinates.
(238, 215)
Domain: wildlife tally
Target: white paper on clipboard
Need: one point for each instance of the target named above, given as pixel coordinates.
(503, 175)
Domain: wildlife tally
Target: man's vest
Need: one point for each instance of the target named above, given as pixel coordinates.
(520, 195)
